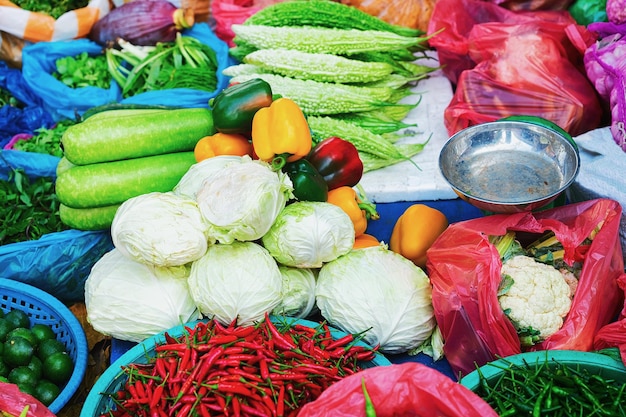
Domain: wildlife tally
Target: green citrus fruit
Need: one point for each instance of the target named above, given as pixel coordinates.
(27, 389)
(5, 328)
(48, 347)
(25, 333)
(17, 318)
(47, 391)
(4, 369)
(36, 365)
(42, 332)
(17, 351)
(1, 313)
(23, 375)
(58, 367)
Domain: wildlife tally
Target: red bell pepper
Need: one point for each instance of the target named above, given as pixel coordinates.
(338, 161)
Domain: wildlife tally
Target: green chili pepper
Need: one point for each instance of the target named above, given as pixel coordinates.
(369, 406)
(234, 107)
(308, 183)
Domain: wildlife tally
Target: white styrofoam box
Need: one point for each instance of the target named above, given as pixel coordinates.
(404, 181)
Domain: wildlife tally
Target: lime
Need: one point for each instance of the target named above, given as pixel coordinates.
(42, 332)
(36, 365)
(5, 328)
(47, 391)
(27, 389)
(1, 313)
(58, 367)
(17, 351)
(4, 369)
(17, 318)
(25, 333)
(48, 347)
(3, 379)
(22, 375)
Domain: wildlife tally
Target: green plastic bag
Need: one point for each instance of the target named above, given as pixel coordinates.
(588, 11)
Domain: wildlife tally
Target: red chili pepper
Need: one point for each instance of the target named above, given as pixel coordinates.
(279, 339)
(252, 411)
(342, 341)
(338, 161)
(263, 368)
(280, 402)
(236, 407)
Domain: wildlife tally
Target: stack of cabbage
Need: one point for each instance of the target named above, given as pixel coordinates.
(230, 242)
(347, 70)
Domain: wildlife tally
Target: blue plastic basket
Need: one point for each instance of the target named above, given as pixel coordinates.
(114, 378)
(42, 308)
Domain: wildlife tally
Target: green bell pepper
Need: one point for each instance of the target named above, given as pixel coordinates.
(308, 183)
(234, 107)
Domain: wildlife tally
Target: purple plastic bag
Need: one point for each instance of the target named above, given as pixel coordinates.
(605, 64)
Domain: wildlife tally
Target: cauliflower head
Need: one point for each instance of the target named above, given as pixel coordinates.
(538, 298)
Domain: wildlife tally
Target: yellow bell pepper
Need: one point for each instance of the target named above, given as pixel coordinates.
(358, 211)
(415, 231)
(280, 133)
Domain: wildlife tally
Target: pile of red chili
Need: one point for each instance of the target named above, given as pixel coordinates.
(269, 369)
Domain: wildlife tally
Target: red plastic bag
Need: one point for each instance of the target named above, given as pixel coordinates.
(13, 401)
(453, 20)
(614, 334)
(407, 389)
(524, 69)
(533, 4)
(464, 269)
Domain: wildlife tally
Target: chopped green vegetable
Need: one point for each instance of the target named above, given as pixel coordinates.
(30, 208)
(83, 70)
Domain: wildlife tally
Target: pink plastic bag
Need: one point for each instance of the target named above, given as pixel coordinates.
(408, 389)
(464, 269)
(229, 12)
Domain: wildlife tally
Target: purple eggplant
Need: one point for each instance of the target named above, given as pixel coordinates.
(142, 22)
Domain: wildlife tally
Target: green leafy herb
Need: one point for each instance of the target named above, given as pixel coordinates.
(83, 70)
(29, 208)
(51, 7)
(184, 63)
(46, 141)
(6, 98)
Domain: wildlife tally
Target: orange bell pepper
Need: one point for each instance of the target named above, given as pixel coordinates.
(222, 144)
(358, 211)
(280, 133)
(415, 231)
(365, 241)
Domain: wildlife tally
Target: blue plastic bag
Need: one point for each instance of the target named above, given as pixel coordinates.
(63, 102)
(60, 100)
(14, 120)
(58, 263)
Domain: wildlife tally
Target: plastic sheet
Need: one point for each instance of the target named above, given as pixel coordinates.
(57, 263)
(464, 269)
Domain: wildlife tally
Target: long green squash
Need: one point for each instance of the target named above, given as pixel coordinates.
(96, 218)
(109, 183)
(135, 133)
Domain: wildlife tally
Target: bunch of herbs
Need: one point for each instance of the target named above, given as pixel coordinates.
(54, 8)
(184, 63)
(46, 141)
(83, 70)
(30, 208)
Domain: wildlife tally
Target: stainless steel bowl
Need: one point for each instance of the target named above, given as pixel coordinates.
(509, 166)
